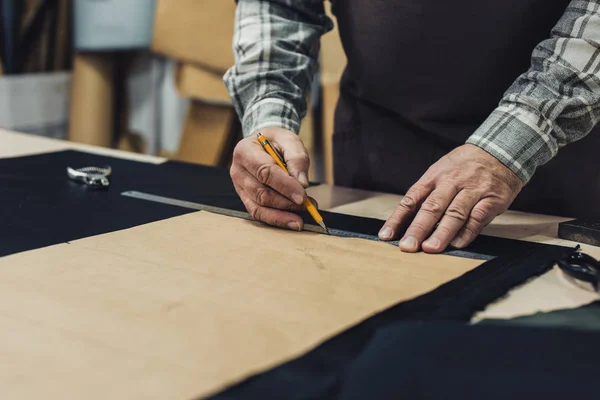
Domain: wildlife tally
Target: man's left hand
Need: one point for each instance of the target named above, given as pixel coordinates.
(454, 200)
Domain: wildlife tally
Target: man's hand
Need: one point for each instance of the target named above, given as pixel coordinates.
(268, 192)
(463, 192)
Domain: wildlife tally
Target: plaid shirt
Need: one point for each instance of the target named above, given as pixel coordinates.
(554, 103)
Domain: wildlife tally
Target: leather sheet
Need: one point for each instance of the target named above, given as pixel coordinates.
(186, 306)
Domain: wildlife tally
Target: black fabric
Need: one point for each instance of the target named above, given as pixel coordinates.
(332, 369)
(40, 206)
(452, 361)
(422, 76)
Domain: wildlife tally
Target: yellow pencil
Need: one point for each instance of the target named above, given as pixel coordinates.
(310, 207)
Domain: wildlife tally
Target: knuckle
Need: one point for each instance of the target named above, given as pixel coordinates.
(488, 186)
(256, 213)
(451, 183)
(420, 189)
(248, 183)
(413, 193)
(263, 195)
(238, 151)
(432, 206)
(409, 202)
(426, 184)
(264, 173)
(240, 179)
(480, 214)
(457, 212)
(478, 217)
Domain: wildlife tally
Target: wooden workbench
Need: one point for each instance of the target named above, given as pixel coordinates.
(549, 292)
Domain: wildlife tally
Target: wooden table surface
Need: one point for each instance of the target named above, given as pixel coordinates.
(551, 291)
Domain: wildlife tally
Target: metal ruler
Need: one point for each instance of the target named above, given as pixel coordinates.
(307, 227)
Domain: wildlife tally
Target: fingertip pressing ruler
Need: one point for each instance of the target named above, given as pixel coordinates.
(307, 227)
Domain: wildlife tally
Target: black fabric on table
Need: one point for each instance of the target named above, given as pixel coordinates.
(40, 206)
(451, 361)
(447, 360)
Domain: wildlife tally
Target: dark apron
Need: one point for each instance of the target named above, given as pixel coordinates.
(423, 75)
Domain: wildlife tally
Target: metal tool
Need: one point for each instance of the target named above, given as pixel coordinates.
(96, 177)
(307, 227)
(582, 267)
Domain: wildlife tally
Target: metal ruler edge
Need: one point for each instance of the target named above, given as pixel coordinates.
(307, 227)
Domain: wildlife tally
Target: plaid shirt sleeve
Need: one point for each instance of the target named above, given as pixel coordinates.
(553, 104)
(276, 48)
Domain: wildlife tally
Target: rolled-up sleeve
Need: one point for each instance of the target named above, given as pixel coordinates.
(276, 47)
(553, 104)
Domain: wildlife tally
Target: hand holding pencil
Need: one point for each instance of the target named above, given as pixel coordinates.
(312, 210)
(272, 184)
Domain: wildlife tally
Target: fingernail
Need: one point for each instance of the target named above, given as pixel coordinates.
(294, 226)
(457, 242)
(433, 242)
(303, 179)
(409, 243)
(386, 232)
(298, 198)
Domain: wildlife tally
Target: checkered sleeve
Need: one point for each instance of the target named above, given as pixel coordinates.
(556, 102)
(276, 48)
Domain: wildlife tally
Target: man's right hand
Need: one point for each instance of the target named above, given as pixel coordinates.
(268, 192)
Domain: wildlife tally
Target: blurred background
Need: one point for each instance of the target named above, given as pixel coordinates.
(143, 76)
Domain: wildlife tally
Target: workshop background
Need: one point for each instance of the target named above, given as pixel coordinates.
(140, 75)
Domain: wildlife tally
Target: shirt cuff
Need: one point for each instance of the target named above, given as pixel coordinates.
(269, 113)
(518, 138)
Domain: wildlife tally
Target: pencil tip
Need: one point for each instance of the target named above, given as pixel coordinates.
(324, 227)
